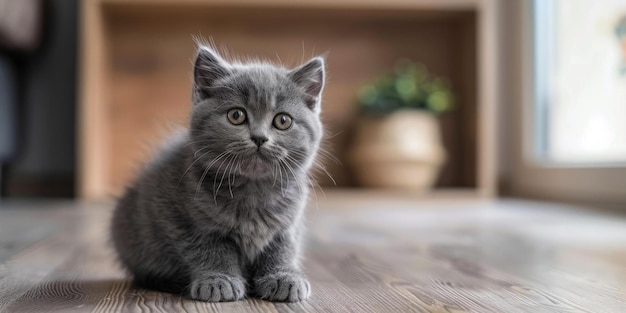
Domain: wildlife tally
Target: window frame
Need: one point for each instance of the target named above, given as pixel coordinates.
(531, 173)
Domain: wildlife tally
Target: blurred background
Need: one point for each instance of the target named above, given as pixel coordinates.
(446, 99)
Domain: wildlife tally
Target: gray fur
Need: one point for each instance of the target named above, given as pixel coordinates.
(213, 216)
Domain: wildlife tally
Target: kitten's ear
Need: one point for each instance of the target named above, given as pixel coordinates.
(310, 77)
(208, 67)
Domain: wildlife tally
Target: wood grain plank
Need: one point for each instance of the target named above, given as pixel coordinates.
(29, 268)
(443, 258)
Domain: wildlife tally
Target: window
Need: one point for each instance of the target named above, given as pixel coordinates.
(580, 81)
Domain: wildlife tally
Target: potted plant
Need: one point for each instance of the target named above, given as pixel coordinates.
(397, 141)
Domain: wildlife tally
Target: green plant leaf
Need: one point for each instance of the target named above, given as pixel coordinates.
(409, 85)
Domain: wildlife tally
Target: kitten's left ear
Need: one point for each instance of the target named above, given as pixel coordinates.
(310, 77)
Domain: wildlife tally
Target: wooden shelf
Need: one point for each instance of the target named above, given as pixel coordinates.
(136, 71)
(311, 4)
(360, 198)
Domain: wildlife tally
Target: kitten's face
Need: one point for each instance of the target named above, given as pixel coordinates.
(255, 120)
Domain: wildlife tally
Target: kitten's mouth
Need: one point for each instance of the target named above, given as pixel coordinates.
(263, 156)
(257, 164)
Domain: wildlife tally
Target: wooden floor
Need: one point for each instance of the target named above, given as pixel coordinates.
(368, 255)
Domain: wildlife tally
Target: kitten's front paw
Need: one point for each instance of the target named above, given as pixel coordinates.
(290, 287)
(216, 288)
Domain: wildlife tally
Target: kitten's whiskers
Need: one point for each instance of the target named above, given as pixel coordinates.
(228, 162)
(190, 165)
(208, 167)
(230, 189)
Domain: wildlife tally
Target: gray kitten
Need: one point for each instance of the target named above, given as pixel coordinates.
(217, 214)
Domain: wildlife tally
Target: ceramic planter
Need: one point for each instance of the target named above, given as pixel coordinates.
(402, 150)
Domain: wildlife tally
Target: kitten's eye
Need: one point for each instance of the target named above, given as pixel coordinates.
(282, 121)
(236, 116)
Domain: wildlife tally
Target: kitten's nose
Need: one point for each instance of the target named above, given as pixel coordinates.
(258, 140)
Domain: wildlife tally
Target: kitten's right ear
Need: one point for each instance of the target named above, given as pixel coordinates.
(208, 67)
